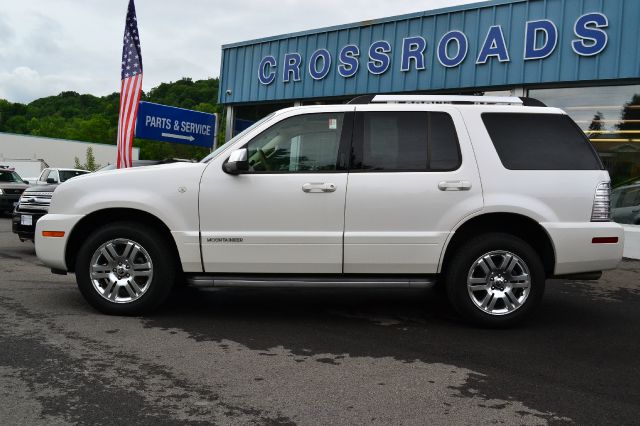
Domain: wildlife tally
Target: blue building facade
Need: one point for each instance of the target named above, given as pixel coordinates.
(494, 44)
(579, 55)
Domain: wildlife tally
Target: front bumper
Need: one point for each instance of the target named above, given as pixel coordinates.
(575, 250)
(25, 232)
(51, 250)
(8, 202)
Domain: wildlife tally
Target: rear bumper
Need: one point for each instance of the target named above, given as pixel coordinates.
(575, 250)
(51, 250)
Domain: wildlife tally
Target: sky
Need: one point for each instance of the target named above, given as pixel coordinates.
(50, 46)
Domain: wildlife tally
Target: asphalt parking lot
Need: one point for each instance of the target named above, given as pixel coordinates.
(312, 357)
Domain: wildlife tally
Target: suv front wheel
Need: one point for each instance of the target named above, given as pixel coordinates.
(495, 280)
(125, 268)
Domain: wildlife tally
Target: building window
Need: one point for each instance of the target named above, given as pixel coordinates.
(610, 116)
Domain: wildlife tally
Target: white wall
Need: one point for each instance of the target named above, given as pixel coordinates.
(56, 152)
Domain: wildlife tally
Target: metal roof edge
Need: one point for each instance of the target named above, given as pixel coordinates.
(440, 11)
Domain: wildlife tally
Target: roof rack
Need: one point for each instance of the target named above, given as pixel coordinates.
(446, 99)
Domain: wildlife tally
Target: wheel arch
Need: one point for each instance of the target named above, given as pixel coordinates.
(510, 223)
(102, 217)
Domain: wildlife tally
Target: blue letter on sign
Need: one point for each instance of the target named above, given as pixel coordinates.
(531, 49)
(413, 48)
(379, 57)
(325, 56)
(494, 45)
(349, 61)
(593, 40)
(267, 77)
(292, 63)
(443, 47)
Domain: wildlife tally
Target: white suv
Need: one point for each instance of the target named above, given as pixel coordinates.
(486, 196)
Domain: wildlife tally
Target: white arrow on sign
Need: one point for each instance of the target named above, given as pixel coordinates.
(171, 135)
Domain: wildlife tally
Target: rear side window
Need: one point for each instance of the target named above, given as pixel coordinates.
(405, 141)
(540, 142)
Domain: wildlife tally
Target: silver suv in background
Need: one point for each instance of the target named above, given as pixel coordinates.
(625, 204)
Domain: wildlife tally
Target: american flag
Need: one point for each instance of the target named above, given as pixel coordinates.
(131, 87)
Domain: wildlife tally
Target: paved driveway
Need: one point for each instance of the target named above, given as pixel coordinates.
(312, 357)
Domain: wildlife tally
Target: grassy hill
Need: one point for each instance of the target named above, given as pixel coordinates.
(71, 115)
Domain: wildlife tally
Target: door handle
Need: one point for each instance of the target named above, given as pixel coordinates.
(319, 187)
(454, 185)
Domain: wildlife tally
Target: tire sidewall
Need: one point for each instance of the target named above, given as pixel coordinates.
(468, 253)
(162, 259)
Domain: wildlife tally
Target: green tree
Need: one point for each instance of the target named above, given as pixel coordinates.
(90, 161)
(596, 123)
(70, 115)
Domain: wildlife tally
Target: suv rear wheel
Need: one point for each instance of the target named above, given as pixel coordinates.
(125, 268)
(495, 280)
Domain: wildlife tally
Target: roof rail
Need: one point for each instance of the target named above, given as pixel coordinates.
(445, 99)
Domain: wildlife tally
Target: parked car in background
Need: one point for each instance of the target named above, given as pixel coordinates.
(28, 169)
(56, 175)
(35, 200)
(11, 187)
(625, 204)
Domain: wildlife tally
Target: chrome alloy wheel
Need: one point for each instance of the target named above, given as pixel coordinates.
(499, 282)
(121, 270)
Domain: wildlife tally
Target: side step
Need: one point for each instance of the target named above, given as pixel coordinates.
(584, 276)
(267, 281)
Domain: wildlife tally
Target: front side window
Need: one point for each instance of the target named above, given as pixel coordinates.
(45, 175)
(405, 141)
(300, 144)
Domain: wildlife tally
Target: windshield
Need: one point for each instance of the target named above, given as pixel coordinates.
(235, 138)
(6, 176)
(68, 174)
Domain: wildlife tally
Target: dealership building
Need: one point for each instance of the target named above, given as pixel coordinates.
(579, 55)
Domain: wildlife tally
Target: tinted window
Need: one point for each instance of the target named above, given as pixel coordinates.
(629, 198)
(405, 141)
(6, 176)
(304, 143)
(68, 174)
(540, 142)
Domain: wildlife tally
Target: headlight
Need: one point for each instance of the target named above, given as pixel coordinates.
(1, 192)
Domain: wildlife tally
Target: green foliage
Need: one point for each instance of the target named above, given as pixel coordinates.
(90, 163)
(89, 118)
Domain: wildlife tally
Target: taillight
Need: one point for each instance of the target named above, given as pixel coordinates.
(602, 203)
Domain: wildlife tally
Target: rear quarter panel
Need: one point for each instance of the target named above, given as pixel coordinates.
(543, 195)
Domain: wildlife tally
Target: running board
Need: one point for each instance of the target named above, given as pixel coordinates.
(309, 282)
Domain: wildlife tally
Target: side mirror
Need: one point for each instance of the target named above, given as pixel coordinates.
(51, 180)
(237, 162)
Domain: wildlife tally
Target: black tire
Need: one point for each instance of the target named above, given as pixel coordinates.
(466, 256)
(162, 257)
